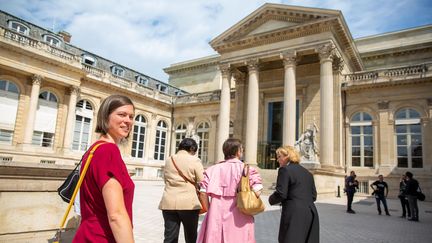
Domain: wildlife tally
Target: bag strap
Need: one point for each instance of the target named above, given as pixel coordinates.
(81, 178)
(182, 175)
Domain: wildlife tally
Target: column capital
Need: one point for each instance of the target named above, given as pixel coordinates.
(74, 90)
(214, 117)
(338, 64)
(239, 77)
(252, 64)
(36, 79)
(289, 58)
(225, 69)
(326, 52)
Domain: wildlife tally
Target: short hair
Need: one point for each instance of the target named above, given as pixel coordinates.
(188, 144)
(291, 152)
(108, 105)
(230, 147)
(409, 174)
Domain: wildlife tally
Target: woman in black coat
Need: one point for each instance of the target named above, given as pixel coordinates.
(295, 190)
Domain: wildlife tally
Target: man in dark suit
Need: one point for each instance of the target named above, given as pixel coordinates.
(411, 188)
(295, 190)
(350, 188)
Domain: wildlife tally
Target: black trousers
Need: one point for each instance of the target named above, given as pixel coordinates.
(350, 197)
(405, 206)
(173, 218)
(412, 200)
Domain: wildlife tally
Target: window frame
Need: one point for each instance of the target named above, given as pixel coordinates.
(84, 112)
(142, 80)
(180, 134)
(25, 32)
(160, 130)
(118, 71)
(203, 128)
(85, 57)
(140, 127)
(49, 39)
(408, 123)
(362, 124)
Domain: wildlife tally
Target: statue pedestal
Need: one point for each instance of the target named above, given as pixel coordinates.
(310, 164)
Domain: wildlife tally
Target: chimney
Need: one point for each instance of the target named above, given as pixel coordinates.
(66, 36)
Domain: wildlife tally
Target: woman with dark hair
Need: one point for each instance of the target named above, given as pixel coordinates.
(180, 204)
(107, 191)
(224, 222)
(295, 190)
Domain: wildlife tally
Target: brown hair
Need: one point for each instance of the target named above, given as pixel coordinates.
(230, 147)
(108, 105)
(291, 152)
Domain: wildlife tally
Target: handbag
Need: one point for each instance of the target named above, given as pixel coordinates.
(420, 195)
(247, 201)
(201, 197)
(66, 190)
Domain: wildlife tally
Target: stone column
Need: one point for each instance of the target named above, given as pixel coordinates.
(34, 97)
(67, 142)
(289, 113)
(224, 111)
(239, 108)
(252, 113)
(326, 104)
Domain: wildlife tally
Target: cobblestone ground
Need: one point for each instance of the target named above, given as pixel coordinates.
(336, 226)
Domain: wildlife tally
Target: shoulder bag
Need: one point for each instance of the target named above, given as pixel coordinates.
(75, 186)
(420, 195)
(247, 201)
(201, 197)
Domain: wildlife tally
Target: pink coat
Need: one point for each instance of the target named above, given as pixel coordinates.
(223, 221)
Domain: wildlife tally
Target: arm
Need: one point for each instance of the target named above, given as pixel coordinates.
(314, 192)
(386, 189)
(255, 181)
(117, 215)
(282, 184)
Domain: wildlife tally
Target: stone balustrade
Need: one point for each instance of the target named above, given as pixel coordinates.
(388, 75)
(198, 97)
(39, 45)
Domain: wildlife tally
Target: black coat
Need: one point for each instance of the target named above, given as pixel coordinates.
(295, 189)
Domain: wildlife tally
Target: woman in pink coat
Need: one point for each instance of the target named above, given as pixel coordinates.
(224, 222)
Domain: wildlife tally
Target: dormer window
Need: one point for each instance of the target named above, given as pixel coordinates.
(142, 80)
(118, 71)
(18, 27)
(178, 93)
(89, 60)
(161, 88)
(53, 41)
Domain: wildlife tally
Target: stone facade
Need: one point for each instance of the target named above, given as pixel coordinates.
(278, 71)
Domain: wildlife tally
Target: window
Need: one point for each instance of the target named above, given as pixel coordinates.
(178, 93)
(89, 60)
(139, 137)
(139, 172)
(161, 134)
(18, 27)
(6, 136)
(142, 80)
(9, 99)
(361, 140)
(45, 120)
(53, 41)
(231, 129)
(161, 88)
(43, 139)
(180, 134)
(118, 71)
(408, 139)
(203, 133)
(83, 121)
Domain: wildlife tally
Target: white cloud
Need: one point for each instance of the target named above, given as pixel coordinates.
(149, 35)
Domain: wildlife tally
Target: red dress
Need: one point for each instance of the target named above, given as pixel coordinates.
(106, 163)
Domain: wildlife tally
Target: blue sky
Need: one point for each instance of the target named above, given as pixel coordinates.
(149, 35)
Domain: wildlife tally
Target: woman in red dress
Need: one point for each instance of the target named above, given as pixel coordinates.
(106, 193)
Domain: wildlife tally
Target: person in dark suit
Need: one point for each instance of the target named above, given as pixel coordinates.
(350, 188)
(411, 188)
(295, 190)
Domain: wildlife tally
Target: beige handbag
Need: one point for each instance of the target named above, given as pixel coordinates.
(247, 201)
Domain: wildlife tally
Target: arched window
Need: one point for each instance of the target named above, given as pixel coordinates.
(18, 27)
(83, 124)
(203, 132)
(45, 122)
(52, 40)
(139, 137)
(180, 134)
(9, 97)
(160, 143)
(361, 140)
(409, 139)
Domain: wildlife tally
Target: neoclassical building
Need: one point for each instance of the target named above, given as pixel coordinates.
(281, 74)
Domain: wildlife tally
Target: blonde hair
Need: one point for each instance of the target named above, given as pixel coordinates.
(291, 152)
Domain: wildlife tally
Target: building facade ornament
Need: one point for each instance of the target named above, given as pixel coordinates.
(289, 58)
(252, 65)
(383, 105)
(225, 70)
(326, 52)
(36, 79)
(239, 77)
(337, 64)
(74, 90)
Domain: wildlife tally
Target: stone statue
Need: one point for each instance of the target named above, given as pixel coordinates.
(194, 135)
(307, 144)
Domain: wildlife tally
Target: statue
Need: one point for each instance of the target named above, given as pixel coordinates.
(307, 144)
(194, 135)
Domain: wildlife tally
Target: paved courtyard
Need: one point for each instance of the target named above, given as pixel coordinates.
(336, 226)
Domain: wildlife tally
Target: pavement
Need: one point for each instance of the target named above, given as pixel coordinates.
(336, 226)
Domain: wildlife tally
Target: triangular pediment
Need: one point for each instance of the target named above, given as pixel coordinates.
(272, 18)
